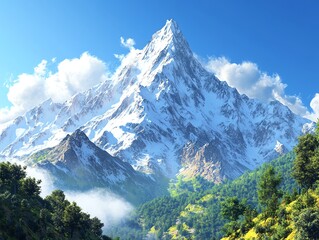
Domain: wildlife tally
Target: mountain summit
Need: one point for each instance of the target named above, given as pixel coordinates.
(77, 163)
(169, 39)
(163, 113)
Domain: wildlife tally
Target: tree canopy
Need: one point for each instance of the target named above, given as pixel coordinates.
(24, 214)
(306, 165)
(268, 190)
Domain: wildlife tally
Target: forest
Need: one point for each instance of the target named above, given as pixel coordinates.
(24, 214)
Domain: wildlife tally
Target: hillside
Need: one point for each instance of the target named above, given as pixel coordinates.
(296, 219)
(294, 216)
(193, 211)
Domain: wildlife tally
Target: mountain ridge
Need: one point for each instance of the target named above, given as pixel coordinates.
(77, 163)
(159, 111)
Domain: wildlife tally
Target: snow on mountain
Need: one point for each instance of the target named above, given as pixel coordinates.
(165, 114)
(77, 163)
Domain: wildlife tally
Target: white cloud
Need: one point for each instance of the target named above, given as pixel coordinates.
(314, 104)
(7, 114)
(100, 203)
(119, 56)
(248, 79)
(47, 180)
(72, 76)
(28, 89)
(75, 75)
(128, 43)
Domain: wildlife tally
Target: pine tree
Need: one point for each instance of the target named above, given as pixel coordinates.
(306, 164)
(268, 190)
(232, 208)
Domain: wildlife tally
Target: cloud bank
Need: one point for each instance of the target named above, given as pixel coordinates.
(110, 208)
(248, 79)
(98, 202)
(72, 76)
(47, 180)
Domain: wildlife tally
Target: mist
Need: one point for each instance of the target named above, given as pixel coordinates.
(110, 208)
(47, 180)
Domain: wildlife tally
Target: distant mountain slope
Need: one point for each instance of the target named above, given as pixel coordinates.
(163, 113)
(193, 210)
(78, 164)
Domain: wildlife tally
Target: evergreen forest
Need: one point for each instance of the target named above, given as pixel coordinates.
(24, 214)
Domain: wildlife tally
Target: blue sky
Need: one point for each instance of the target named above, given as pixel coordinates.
(277, 38)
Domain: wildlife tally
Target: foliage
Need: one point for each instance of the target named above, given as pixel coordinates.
(40, 156)
(232, 208)
(306, 165)
(298, 219)
(268, 191)
(25, 215)
(307, 224)
(297, 215)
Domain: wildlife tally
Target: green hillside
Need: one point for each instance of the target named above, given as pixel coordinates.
(297, 218)
(193, 211)
(294, 216)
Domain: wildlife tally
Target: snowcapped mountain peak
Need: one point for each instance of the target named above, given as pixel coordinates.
(76, 139)
(170, 31)
(163, 112)
(172, 25)
(78, 134)
(167, 41)
(77, 163)
(168, 47)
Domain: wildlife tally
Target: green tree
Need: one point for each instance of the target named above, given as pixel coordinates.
(96, 226)
(307, 224)
(268, 190)
(232, 208)
(306, 164)
(30, 187)
(10, 175)
(57, 203)
(71, 218)
(25, 215)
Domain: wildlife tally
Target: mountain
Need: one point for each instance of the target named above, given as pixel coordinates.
(77, 163)
(163, 113)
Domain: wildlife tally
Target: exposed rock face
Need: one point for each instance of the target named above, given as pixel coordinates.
(202, 161)
(162, 112)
